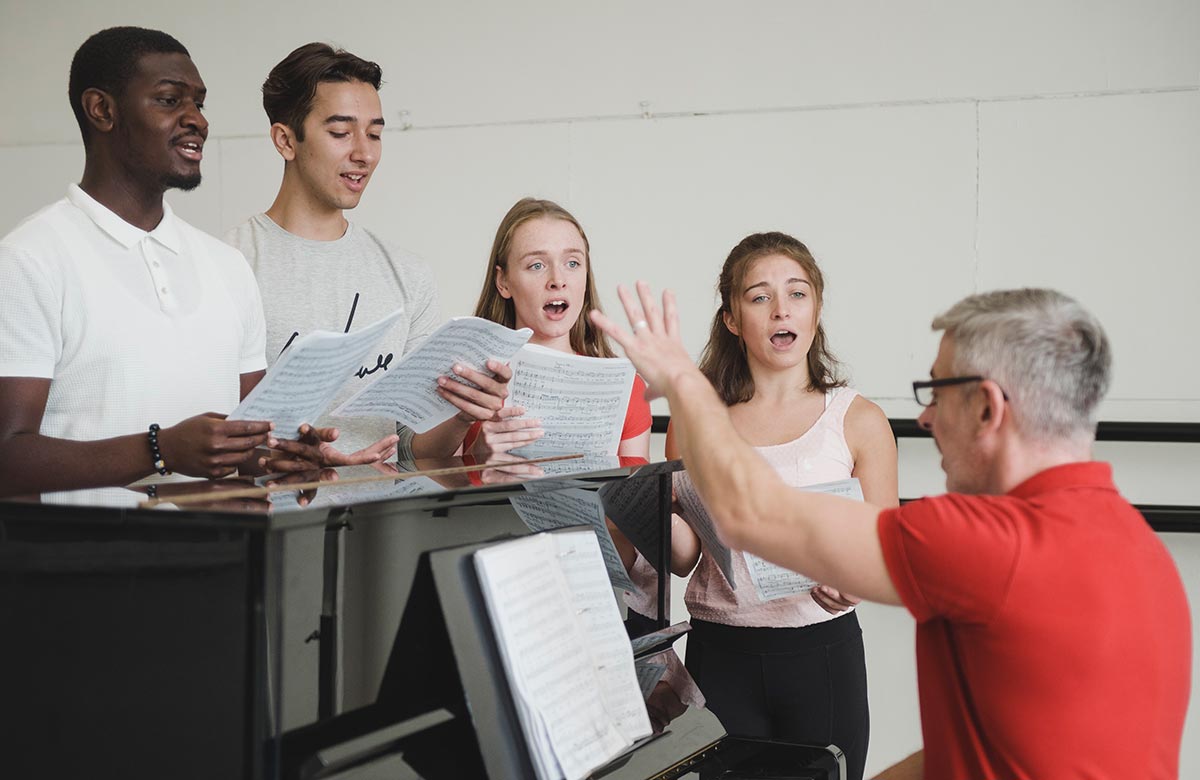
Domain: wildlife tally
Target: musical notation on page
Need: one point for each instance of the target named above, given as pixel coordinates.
(775, 582)
(696, 515)
(564, 651)
(302, 383)
(547, 510)
(581, 401)
(408, 392)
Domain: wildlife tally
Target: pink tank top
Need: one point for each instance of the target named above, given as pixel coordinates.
(819, 455)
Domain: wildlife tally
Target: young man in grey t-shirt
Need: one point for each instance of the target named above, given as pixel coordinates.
(317, 270)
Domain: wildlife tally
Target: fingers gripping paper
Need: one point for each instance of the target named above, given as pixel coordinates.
(580, 401)
(408, 392)
(302, 383)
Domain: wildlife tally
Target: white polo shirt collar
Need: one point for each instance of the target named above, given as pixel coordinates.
(166, 233)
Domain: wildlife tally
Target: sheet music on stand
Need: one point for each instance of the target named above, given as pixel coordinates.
(564, 650)
(633, 506)
(547, 510)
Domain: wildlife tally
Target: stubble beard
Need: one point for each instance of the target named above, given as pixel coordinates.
(181, 181)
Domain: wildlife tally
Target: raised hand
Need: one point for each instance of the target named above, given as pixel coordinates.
(654, 345)
(208, 445)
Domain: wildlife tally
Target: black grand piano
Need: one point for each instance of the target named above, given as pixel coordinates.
(329, 629)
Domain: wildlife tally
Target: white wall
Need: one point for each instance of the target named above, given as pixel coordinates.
(923, 149)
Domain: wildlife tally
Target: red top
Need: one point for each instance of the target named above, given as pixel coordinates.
(637, 416)
(1053, 636)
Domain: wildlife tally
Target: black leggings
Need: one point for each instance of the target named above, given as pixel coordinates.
(806, 685)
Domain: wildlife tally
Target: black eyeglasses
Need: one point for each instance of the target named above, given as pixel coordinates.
(923, 391)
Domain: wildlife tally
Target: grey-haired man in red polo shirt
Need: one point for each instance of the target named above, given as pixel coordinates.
(1053, 636)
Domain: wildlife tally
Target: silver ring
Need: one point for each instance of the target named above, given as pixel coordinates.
(640, 324)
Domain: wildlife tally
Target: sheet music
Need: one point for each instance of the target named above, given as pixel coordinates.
(300, 385)
(543, 485)
(590, 462)
(408, 392)
(546, 511)
(541, 641)
(696, 515)
(581, 401)
(648, 674)
(632, 505)
(580, 557)
(333, 494)
(403, 486)
(776, 582)
(639, 643)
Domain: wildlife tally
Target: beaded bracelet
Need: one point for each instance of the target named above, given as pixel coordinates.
(152, 491)
(155, 455)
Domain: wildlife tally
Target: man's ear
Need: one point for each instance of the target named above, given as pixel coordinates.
(502, 283)
(284, 140)
(993, 406)
(730, 322)
(99, 109)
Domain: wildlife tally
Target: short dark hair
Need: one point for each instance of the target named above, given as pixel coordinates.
(291, 85)
(109, 59)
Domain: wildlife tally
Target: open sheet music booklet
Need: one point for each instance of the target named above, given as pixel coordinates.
(565, 651)
(408, 392)
(580, 401)
(301, 384)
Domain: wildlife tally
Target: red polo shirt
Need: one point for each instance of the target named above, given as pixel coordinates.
(1053, 632)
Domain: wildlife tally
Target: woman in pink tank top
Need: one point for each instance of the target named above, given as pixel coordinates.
(773, 658)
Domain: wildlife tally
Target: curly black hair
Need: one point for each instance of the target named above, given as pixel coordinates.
(108, 60)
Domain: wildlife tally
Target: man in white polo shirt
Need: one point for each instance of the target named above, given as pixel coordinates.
(125, 333)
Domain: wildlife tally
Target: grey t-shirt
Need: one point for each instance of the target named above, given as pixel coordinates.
(340, 286)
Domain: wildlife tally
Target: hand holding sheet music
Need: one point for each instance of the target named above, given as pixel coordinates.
(304, 380)
(580, 401)
(775, 582)
(408, 392)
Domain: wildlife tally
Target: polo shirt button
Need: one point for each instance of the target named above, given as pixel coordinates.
(156, 264)
(163, 290)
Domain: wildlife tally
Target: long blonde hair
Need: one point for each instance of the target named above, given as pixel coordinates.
(585, 338)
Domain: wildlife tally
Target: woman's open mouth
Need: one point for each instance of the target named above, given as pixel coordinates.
(783, 339)
(556, 308)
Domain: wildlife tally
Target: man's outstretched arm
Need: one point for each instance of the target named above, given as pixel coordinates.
(832, 540)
